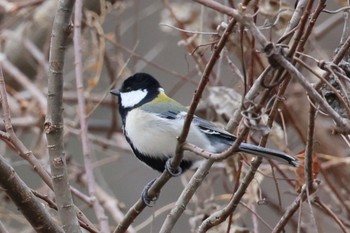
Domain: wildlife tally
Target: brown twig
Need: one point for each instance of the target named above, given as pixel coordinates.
(138, 207)
(220, 216)
(292, 208)
(309, 175)
(26, 83)
(24, 199)
(191, 46)
(99, 211)
(335, 191)
(323, 80)
(328, 211)
(53, 205)
(185, 197)
(194, 103)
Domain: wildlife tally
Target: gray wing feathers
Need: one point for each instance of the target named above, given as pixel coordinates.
(221, 139)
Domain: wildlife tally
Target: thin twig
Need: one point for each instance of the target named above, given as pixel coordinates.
(337, 11)
(315, 96)
(139, 206)
(292, 208)
(187, 31)
(198, 94)
(185, 197)
(294, 22)
(110, 203)
(309, 149)
(99, 211)
(330, 213)
(53, 205)
(23, 80)
(220, 216)
(323, 80)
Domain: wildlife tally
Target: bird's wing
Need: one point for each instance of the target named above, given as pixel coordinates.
(212, 130)
(221, 139)
(171, 114)
(205, 126)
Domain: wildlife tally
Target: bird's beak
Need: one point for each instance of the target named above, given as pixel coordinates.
(115, 92)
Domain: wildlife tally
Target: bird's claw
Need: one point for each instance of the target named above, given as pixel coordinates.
(149, 201)
(173, 172)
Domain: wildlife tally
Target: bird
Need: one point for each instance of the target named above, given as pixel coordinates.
(152, 122)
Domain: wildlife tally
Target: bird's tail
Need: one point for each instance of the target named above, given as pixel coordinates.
(268, 153)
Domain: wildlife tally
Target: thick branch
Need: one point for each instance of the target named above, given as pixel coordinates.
(54, 118)
(24, 199)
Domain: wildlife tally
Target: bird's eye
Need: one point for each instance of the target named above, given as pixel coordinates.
(128, 89)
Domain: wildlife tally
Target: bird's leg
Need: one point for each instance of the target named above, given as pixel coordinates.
(144, 195)
(173, 172)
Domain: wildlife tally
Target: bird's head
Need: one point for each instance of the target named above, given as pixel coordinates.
(137, 90)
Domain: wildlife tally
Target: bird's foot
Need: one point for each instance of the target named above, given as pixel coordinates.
(173, 172)
(149, 201)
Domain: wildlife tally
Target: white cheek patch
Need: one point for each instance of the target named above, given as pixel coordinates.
(131, 98)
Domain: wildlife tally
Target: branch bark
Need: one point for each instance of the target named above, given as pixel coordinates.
(54, 118)
(25, 200)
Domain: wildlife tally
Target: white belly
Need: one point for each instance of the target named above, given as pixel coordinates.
(156, 136)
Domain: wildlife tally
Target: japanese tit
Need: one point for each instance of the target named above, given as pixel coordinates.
(152, 121)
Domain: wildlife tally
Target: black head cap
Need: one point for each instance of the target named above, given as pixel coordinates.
(140, 81)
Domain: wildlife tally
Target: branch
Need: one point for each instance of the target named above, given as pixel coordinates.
(185, 197)
(309, 150)
(25, 201)
(293, 207)
(54, 119)
(138, 207)
(53, 205)
(198, 94)
(328, 211)
(99, 211)
(220, 216)
(25, 82)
